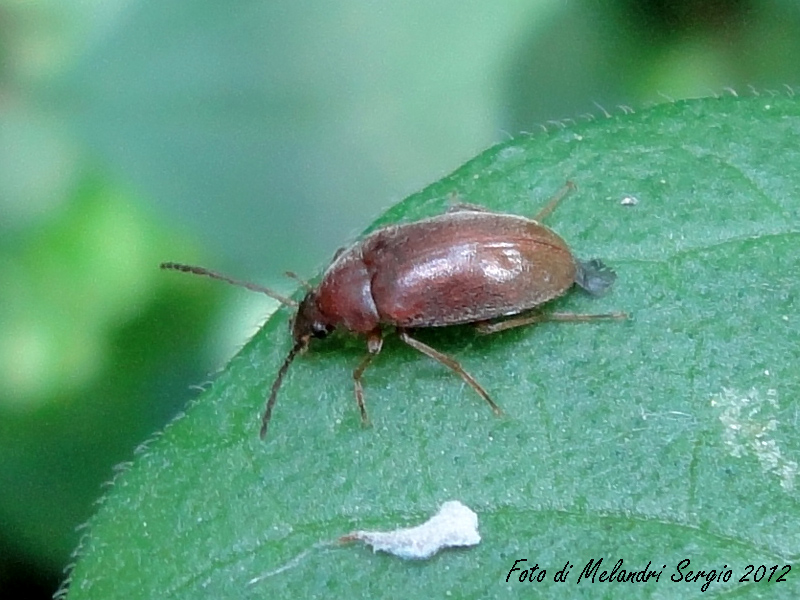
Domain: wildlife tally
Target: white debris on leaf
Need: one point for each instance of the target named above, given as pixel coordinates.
(454, 525)
(751, 421)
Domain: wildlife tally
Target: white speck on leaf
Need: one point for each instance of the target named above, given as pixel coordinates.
(454, 525)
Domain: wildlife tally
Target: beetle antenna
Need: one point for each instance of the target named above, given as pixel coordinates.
(273, 394)
(214, 275)
(300, 280)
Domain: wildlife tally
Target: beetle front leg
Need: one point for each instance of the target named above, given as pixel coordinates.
(451, 364)
(374, 345)
(487, 327)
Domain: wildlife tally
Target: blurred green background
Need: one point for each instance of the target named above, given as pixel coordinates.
(256, 137)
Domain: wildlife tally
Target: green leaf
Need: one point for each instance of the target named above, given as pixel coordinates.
(669, 436)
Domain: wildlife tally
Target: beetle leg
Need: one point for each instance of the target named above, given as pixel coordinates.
(487, 327)
(466, 206)
(374, 345)
(451, 364)
(456, 206)
(554, 201)
(300, 280)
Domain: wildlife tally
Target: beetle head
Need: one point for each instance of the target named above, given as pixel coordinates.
(309, 321)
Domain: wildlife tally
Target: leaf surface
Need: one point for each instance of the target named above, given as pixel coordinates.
(669, 436)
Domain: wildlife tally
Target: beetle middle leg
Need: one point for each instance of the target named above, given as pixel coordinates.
(539, 317)
(374, 345)
(451, 364)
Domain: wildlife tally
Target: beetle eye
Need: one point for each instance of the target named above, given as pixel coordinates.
(320, 330)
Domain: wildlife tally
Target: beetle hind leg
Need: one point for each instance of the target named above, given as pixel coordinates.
(487, 327)
(451, 364)
(374, 345)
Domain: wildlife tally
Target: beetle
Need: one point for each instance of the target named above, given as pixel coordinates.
(468, 265)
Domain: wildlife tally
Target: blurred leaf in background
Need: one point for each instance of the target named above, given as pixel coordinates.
(597, 54)
(89, 365)
(257, 137)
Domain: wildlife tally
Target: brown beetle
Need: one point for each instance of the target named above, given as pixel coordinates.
(469, 265)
